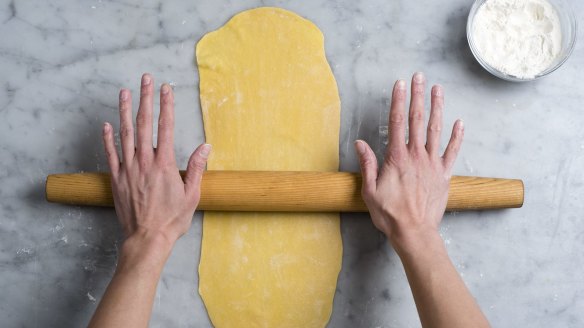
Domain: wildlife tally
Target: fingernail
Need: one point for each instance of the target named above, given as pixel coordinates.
(360, 147)
(205, 150)
(460, 125)
(106, 127)
(146, 79)
(123, 94)
(400, 84)
(165, 89)
(437, 90)
(419, 77)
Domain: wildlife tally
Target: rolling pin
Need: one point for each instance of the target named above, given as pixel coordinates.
(287, 191)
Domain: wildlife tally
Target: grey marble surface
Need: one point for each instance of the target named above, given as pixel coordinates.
(63, 62)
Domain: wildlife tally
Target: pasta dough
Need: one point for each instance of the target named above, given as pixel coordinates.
(269, 102)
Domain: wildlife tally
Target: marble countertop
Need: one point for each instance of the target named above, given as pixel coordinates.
(63, 62)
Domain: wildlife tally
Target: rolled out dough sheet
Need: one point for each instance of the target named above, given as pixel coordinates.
(269, 102)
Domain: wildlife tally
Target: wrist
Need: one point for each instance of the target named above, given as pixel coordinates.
(145, 250)
(414, 243)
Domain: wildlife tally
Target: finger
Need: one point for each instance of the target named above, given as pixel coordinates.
(144, 119)
(195, 170)
(368, 164)
(126, 127)
(165, 144)
(110, 149)
(397, 127)
(416, 118)
(453, 145)
(435, 121)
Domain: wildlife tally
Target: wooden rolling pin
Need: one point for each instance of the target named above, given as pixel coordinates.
(287, 191)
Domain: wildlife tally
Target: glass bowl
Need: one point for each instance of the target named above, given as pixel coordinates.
(568, 26)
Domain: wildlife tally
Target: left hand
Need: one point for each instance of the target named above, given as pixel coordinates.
(154, 206)
(150, 197)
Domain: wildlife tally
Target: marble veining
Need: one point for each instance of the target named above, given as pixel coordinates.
(63, 62)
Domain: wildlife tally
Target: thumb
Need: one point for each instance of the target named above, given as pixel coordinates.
(195, 168)
(368, 163)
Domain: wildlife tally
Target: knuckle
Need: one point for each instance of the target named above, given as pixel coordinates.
(434, 127)
(126, 130)
(142, 119)
(438, 105)
(419, 151)
(124, 105)
(167, 99)
(418, 90)
(365, 161)
(145, 91)
(143, 163)
(165, 122)
(198, 164)
(109, 153)
(416, 153)
(144, 157)
(394, 159)
(396, 153)
(396, 118)
(459, 135)
(416, 115)
(453, 147)
(366, 193)
(167, 165)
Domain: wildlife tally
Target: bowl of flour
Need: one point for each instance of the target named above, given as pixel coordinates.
(521, 40)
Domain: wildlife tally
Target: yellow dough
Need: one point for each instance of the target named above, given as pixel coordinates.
(269, 102)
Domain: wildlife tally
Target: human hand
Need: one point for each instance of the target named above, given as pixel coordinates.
(151, 199)
(407, 196)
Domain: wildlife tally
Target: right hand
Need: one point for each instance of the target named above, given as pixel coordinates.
(407, 196)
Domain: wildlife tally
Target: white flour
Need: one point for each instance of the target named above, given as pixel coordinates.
(518, 37)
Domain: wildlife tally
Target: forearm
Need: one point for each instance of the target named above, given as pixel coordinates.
(154, 204)
(128, 299)
(441, 296)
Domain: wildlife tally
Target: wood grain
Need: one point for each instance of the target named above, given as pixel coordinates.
(287, 191)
